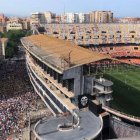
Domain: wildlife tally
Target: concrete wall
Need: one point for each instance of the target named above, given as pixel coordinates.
(122, 129)
(77, 74)
(88, 84)
(98, 33)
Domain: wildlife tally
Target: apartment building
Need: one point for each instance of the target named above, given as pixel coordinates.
(49, 17)
(83, 18)
(14, 26)
(101, 17)
(42, 18)
(37, 18)
(72, 18)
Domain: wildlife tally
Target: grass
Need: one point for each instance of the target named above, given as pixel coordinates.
(126, 89)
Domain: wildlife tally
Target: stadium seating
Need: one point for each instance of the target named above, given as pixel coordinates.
(130, 52)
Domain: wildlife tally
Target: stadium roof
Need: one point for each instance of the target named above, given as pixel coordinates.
(60, 53)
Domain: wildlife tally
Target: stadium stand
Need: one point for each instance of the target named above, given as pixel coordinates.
(128, 54)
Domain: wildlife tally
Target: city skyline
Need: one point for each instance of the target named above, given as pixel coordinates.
(25, 8)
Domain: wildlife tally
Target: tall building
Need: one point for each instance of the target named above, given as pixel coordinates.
(41, 18)
(87, 18)
(26, 24)
(37, 18)
(70, 18)
(49, 17)
(101, 17)
(83, 18)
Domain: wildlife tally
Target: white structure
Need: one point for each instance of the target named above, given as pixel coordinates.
(75, 18)
(83, 18)
(3, 44)
(14, 26)
(70, 18)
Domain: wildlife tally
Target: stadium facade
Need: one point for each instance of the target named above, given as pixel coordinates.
(70, 74)
(96, 34)
(63, 76)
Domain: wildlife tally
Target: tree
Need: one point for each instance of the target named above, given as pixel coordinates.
(14, 37)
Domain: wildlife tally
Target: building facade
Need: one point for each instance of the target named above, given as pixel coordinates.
(37, 18)
(72, 18)
(96, 34)
(101, 17)
(83, 18)
(42, 18)
(14, 26)
(49, 17)
(75, 18)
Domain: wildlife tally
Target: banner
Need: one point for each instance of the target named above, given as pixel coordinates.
(83, 101)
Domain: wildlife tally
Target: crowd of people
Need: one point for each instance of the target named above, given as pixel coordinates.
(120, 52)
(13, 79)
(135, 61)
(16, 97)
(12, 112)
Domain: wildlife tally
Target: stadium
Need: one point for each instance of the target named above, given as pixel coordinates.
(92, 90)
(59, 81)
(119, 41)
(112, 63)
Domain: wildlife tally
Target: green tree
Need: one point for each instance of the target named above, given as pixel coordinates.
(14, 37)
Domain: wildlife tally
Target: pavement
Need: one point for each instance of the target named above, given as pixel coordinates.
(90, 127)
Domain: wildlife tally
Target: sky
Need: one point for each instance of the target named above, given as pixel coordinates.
(120, 8)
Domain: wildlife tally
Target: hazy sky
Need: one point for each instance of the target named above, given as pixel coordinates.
(120, 8)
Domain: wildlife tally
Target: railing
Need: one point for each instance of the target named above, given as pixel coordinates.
(123, 129)
(35, 68)
(76, 117)
(51, 80)
(122, 115)
(37, 88)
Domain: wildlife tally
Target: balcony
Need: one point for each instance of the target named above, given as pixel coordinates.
(100, 90)
(55, 91)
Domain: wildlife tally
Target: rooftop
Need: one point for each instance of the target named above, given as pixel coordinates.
(90, 127)
(60, 53)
